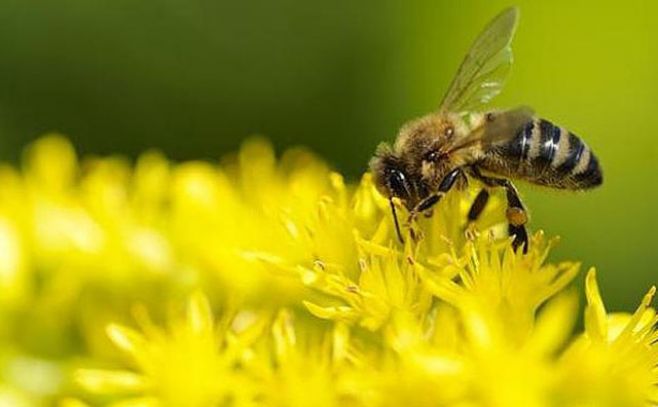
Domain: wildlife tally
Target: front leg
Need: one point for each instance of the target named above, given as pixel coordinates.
(446, 184)
(427, 203)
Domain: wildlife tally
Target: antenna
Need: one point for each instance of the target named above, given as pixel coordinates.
(395, 219)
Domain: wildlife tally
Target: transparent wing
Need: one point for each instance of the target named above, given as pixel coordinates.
(482, 73)
(499, 127)
(504, 126)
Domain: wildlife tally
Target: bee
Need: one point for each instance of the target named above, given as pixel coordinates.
(462, 141)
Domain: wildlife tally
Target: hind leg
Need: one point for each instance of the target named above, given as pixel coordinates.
(516, 214)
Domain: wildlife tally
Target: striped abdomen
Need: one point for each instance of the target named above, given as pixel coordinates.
(546, 154)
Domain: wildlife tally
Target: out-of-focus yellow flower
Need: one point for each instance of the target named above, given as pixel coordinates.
(615, 362)
(192, 363)
(309, 299)
(302, 368)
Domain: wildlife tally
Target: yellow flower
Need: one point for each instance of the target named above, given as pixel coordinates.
(615, 362)
(380, 278)
(301, 369)
(315, 302)
(13, 397)
(477, 338)
(499, 292)
(193, 363)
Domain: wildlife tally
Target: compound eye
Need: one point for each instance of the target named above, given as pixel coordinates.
(449, 131)
(398, 184)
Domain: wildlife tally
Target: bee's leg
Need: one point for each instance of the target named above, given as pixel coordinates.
(446, 184)
(516, 213)
(475, 211)
(478, 205)
(422, 207)
(517, 217)
(428, 203)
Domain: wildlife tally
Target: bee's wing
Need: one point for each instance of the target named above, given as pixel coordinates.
(505, 125)
(501, 128)
(482, 73)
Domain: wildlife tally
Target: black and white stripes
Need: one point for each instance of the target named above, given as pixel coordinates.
(549, 155)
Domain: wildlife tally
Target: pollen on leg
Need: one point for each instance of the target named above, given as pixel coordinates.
(517, 216)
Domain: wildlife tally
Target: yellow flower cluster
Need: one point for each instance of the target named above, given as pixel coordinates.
(265, 282)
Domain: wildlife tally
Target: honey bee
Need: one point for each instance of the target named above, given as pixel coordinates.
(461, 141)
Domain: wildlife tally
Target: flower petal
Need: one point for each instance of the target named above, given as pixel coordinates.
(596, 320)
(110, 381)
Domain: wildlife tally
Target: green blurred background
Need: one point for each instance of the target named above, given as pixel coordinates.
(195, 77)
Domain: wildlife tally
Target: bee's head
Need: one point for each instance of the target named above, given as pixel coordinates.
(392, 178)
